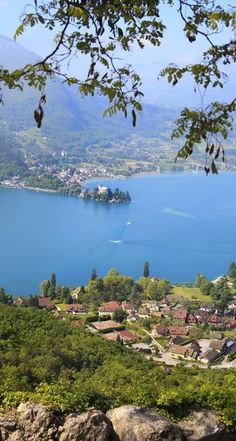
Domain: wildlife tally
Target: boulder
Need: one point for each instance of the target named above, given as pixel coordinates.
(133, 423)
(89, 426)
(203, 425)
(29, 422)
(35, 420)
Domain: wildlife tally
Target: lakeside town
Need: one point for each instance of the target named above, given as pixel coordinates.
(180, 324)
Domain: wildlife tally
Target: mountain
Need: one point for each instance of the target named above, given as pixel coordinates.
(75, 124)
(69, 118)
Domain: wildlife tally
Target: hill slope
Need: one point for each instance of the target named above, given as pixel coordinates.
(68, 116)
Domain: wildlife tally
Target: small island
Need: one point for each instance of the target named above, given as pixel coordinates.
(105, 194)
(54, 184)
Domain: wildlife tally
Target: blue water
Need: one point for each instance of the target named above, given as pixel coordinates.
(181, 224)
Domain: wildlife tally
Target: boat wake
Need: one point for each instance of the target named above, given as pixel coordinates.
(115, 241)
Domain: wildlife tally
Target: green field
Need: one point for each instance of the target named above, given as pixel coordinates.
(190, 293)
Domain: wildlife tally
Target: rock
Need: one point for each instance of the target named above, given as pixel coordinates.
(89, 426)
(92, 425)
(133, 423)
(35, 420)
(30, 422)
(203, 425)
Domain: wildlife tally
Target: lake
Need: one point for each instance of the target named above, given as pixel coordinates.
(183, 224)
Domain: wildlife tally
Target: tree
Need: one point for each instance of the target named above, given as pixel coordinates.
(44, 287)
(53, 280)
(119, 315)
(204, 284)
(135, 295)
(117, 286)
(158, 289)
(3, 296)
(32, 301)
(52, 288)
(93, 274)
(146, 270)
(232, 270)
(96, 29)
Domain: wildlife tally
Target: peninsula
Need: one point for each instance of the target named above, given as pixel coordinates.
(54, 184)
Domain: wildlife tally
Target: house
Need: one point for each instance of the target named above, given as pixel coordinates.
(131, 318)
(106, 325)
(144, 312)
(218, 346)
(161, 331)
(164, 302)
(18, 302)
(142, 347)
(209, 356)
(102, 189)
(157, 314)
(127, 336)
(76, 308)
(184, 352)
(166, 310)
(233, 348)
(178, 330)
(208, 307)
(230, 323)
(150, 304)
(112, 336)
(75, 293)
(180, 314)
(45, 303)
(108, 308)
(192, 319)
(232, 304)
(129, 308)
(195, 345)
(202, 316)
(214, 319)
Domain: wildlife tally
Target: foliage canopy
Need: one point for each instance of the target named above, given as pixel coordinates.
(98, 28)
(48, 360)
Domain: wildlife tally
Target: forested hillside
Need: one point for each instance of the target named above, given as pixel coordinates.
(75, 126)
(11, 158)
(48, 360)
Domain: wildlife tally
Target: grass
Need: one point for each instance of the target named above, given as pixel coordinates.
(230, 333)
(163, 341)
(62, 306)
(190, 293)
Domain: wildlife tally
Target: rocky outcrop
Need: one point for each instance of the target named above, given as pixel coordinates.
(137, 424)
(203, 425)
(36, 422)
(93, 425)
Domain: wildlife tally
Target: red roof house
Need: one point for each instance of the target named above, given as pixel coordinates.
(109, 308)
(178, 330)
(180, 314)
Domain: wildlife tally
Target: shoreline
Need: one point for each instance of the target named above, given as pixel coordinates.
(105, 178)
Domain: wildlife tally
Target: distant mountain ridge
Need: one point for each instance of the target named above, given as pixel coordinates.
(67, 114)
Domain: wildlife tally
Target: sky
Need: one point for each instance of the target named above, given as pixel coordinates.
(147, 62)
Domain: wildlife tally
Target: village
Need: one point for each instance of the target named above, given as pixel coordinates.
(166, 331)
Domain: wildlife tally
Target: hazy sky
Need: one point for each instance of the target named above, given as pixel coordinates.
(147, 62)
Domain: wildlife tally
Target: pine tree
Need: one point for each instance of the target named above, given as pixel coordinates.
(52, 289)
(93, 274)
(146, 270)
